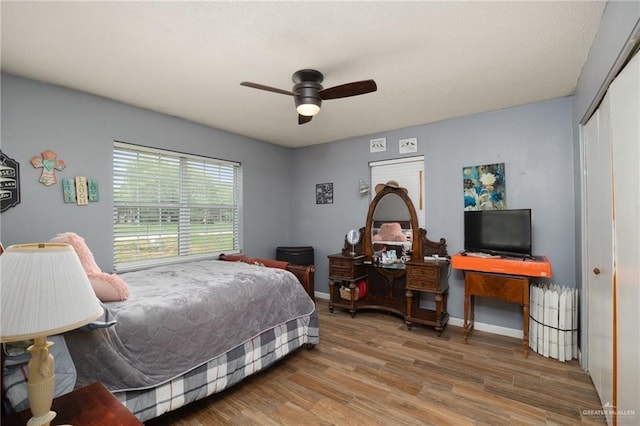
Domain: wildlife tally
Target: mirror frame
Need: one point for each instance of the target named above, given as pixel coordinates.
(358, 248)
(416, 250)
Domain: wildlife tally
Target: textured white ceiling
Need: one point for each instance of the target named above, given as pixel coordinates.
(431, 60)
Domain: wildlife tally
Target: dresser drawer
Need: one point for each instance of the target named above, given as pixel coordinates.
(341, 272)
(346, 268)
(424, 276)
(421, 273)
(506, 288)
(422, 284)
(340, 263)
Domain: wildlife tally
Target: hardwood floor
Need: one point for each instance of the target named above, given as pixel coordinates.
(370, 370)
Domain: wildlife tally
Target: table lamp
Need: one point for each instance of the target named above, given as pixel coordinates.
(44, 291)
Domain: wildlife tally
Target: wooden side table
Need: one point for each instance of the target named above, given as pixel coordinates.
(428, 277)
(345, 269)
(91, 405)
(510, 288)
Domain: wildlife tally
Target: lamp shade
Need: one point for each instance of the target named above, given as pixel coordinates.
(44, 291)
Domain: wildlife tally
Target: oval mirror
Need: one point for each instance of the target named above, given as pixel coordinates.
(392, 207)
(392, 210)
(353, 237)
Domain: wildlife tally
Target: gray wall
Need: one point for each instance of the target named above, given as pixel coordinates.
(535, 143)
(81, 129)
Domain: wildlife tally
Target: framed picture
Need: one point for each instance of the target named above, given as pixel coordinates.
(484, 187)
(408, 145)
(378, 145)
(324, 193)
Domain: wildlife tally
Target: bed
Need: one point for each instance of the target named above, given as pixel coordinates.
(191, 330)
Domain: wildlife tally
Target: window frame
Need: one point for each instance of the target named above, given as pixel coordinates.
(188, 199)
(409, 173)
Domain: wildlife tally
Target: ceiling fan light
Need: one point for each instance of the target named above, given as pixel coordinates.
(308, 109)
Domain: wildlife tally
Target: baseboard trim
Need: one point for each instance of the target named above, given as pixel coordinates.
(490, 328)
(459, 322)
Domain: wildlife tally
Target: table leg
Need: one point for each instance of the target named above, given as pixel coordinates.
(331, 294)
(409, 296)
(466, 318)
(438, 314)
(525, 330)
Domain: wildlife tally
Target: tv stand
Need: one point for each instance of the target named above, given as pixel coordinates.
(534, 266)
(509, 288)
(499, 278)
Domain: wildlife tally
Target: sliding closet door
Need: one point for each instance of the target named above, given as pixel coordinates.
(599, 242)
(612, 162)
(625, 125)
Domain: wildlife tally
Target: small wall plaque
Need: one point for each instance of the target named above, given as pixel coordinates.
(378, 145)
(9, 182)
(82, 196)
(408, 145)
(92, 186)
(69, 190)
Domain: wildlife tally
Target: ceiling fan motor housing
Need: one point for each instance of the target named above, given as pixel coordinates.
(307, 93)
(307, 87)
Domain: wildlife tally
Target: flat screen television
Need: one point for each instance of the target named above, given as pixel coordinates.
(498, 232)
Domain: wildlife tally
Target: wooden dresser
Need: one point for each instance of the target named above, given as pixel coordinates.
(392, 288)
(383, 267)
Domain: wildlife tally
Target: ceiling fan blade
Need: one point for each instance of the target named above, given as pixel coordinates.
(302, 119)
(267, 88)
(349, 89)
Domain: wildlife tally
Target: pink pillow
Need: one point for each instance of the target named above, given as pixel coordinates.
(82, 250)
(108, 287)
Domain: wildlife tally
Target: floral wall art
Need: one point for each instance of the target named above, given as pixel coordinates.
(484, 187)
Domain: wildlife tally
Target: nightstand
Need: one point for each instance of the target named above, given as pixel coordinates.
(91, 405)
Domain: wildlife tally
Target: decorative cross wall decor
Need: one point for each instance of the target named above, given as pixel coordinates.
(49, 163)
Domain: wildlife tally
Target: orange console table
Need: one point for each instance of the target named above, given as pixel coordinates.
(499, 278)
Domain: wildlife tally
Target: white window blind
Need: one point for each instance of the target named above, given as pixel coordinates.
(170, 206)
(409, 173)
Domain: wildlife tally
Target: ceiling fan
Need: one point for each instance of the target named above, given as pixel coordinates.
(308, 93)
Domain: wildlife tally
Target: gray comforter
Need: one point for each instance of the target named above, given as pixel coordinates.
(180, 316)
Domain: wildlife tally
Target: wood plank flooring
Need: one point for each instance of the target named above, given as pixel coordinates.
(370, 370)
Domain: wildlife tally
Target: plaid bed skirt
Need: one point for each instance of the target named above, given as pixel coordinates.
(223, 371)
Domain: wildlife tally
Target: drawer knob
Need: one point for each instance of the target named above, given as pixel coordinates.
(596, 271)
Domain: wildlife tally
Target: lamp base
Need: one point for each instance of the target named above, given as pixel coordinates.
(40, 383)
(42, 420)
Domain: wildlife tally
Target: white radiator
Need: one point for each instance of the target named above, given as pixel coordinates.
(553, 321)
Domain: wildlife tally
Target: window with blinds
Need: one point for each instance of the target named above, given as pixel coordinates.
(409, 173)
(170, 206)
